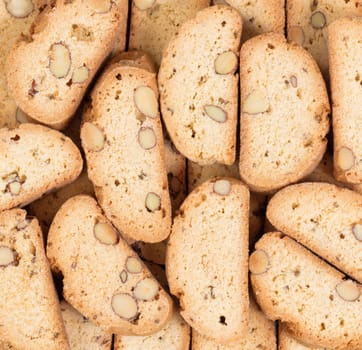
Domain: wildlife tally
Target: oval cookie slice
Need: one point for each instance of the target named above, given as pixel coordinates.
(33, 160)
(103, 278)
(29, 312)
(123, 143)
(320, 306)
(284, 113)
(326, 219)
(206, 259)
(198, 86)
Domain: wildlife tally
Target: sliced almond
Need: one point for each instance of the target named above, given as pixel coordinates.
(105, 233)
(153, 202)
(255, 103)
(146, 101)
(345, 159)
(147, 138)
(222, 187)
(226, 63)
(133, 265)
(100, 6)
(125, 306)
(215, 113)
(19, 8)
(80, 75)
(318, 20)
(293, 81)
(357, 231)
(296, 35)
(14, 187)
(60, 61)
(146, 289)
(123, 276)
(144, 4)
(7, 256)
(348, 290)
(92, 137)
(259, 262)
(22, 117)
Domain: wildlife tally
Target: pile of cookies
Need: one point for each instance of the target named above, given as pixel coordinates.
(180, 174)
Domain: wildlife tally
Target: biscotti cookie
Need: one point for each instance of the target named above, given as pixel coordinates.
(46, 207)
(345, 55)
(174, 336)
(261, 335)
(261, 16)
(197, 174)
(319, 305)
(201, 116)
(325, 218)
(135, 58)
(206, 264)
(49, 72)
(33, 160)
(287, 342)
(284, 113)
(103, 278)
(125, 156)
(16, 18)
(29, 311)
(82, 333)
(154, 23)
(308, 20)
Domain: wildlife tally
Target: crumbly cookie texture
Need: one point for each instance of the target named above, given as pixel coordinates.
(284, 113)
(49, 71)
(175, 335)
(103, 278)
(33, 160)
(29, 313)
(261, 335)
(201, 116)
(125, 156)
(319, 305)
(155, 23)
(324, 218)
(308, 23)
(345, 55)
(206, 265)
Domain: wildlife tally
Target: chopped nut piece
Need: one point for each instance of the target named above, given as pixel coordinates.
(23, 224)
(144, 4)
(348, 290)
(318, 20)
(147, 138)
(100, 6)
(345, 159)
(60, 61)
(357, 231)
(258, 262)
(255, 103)
(14, 187)
(105, 233)
(222, 187)
(133, 265)
(22, 117)
(146, 289)
(296, 34)
(215, 113)
(293, 81)
(19, 8)
(146, 101)
(80, 75)
(123, 276)
(92, 137)
(226, 63)
(125, 306)
(7, 256)
(153, 202)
